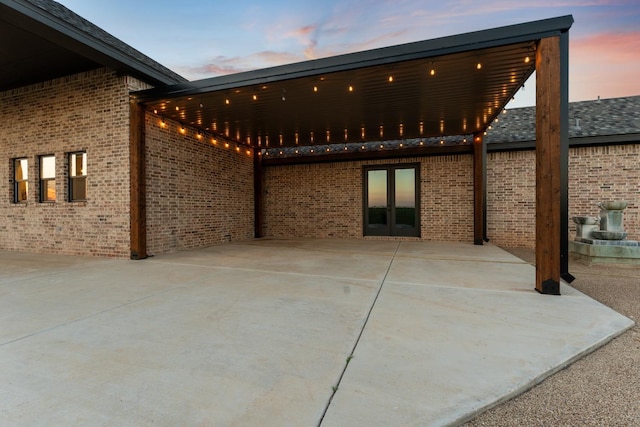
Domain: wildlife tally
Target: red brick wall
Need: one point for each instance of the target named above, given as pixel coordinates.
(198, 193)
(87, 111)
(325, 199)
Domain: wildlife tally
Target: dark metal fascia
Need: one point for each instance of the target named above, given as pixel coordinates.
(370, 155)
(85, 44)
(484, 39)
(582, 141)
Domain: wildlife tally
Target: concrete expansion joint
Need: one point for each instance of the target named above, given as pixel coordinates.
(334, 388)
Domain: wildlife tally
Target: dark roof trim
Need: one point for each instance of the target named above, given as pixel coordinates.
(417, 50)
(369, 155)
(582, 141)
(66, 28)
(585, 141)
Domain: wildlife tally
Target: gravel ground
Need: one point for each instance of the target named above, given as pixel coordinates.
(602, 388)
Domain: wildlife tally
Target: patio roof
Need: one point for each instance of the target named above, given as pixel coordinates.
(447, 86)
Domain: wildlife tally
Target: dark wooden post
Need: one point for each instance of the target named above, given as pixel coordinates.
(550, 97)
(138, 226)
(257, 192)
(479, 188)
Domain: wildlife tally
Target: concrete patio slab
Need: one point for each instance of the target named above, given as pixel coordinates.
(260, 333)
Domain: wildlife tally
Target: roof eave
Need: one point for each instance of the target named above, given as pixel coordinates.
(416, 50)
(89, 46)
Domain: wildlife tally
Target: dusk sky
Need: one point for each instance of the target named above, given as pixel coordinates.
(200, 39)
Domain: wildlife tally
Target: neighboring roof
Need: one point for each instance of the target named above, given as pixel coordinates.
(43, 40)
(387, 93)
(597, 118)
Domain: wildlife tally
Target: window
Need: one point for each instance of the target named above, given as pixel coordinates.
(20, 180)
(47, 178)
(77, 177)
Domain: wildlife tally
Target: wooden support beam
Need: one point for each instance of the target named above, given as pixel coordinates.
(138, 209)
(258, 178)
(479, 188)
(549, 100)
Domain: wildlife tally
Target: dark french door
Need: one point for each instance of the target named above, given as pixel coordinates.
(391, 200)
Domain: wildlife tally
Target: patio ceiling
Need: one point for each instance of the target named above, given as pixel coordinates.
(448, 86)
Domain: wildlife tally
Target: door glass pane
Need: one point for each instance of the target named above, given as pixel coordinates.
(405, 198)
(377, 198)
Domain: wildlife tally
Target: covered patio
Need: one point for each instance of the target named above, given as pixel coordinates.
(451, 88)
(283, 332)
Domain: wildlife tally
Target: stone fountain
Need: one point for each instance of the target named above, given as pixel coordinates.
(603, 239)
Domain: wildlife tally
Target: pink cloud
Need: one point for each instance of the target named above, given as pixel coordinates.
(605, 64)
(222, 65)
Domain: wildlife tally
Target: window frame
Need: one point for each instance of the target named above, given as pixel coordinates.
(16, 181)
(44, 182)
(71, 179)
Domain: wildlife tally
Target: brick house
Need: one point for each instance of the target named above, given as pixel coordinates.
(106, 152)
